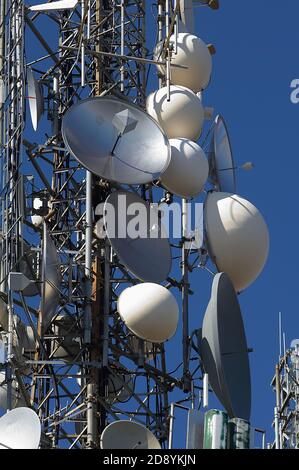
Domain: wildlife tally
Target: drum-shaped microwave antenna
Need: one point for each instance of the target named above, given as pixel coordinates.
(150, 311)
(224, 349)
(35, 98)
(191, 52)
(237, 237)
(182, 116)
(222, 166)
(116, 140)
(51, 279)
(188, 170)
(148, 257)
(20, 429)
(125, 434)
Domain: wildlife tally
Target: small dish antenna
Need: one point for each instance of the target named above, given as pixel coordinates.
(222, 166)
(125, 434)
(51, 279)
(116, 140)
(35, 98)
(147, 257)
(20, 429)
(224, 349)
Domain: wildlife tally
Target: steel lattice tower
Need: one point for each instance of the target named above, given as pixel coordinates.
(286, 413)
(95, 49)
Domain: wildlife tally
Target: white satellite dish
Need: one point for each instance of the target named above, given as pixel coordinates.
(182, 116)
(116, 140)
(193, 53)
(237, 237)
(147, 257)
(35, 98)
(188, 170)
(222, 166)
(20, 429)
(150, 311)
(51, 279)
(125, 434)
(59, 5)
(224, 349)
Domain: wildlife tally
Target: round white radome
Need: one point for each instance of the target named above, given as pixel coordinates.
(237, 237)
(188, 170)
(182, 116)
(150, 311)
(191, 52)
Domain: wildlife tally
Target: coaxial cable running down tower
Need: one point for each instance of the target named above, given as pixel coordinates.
(94, 288)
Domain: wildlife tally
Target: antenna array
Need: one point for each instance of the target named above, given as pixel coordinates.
(84, 321)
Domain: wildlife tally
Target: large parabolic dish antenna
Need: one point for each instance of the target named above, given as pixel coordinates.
(148, 257)
(116, 140)
(224, 349)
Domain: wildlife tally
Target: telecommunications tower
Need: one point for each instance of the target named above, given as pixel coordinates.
(88, 310)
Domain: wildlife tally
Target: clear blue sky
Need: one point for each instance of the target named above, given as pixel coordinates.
(257, 43)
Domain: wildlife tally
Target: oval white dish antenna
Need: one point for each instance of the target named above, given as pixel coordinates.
(237, 237)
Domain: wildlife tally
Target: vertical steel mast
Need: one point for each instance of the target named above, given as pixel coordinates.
(12, 84)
